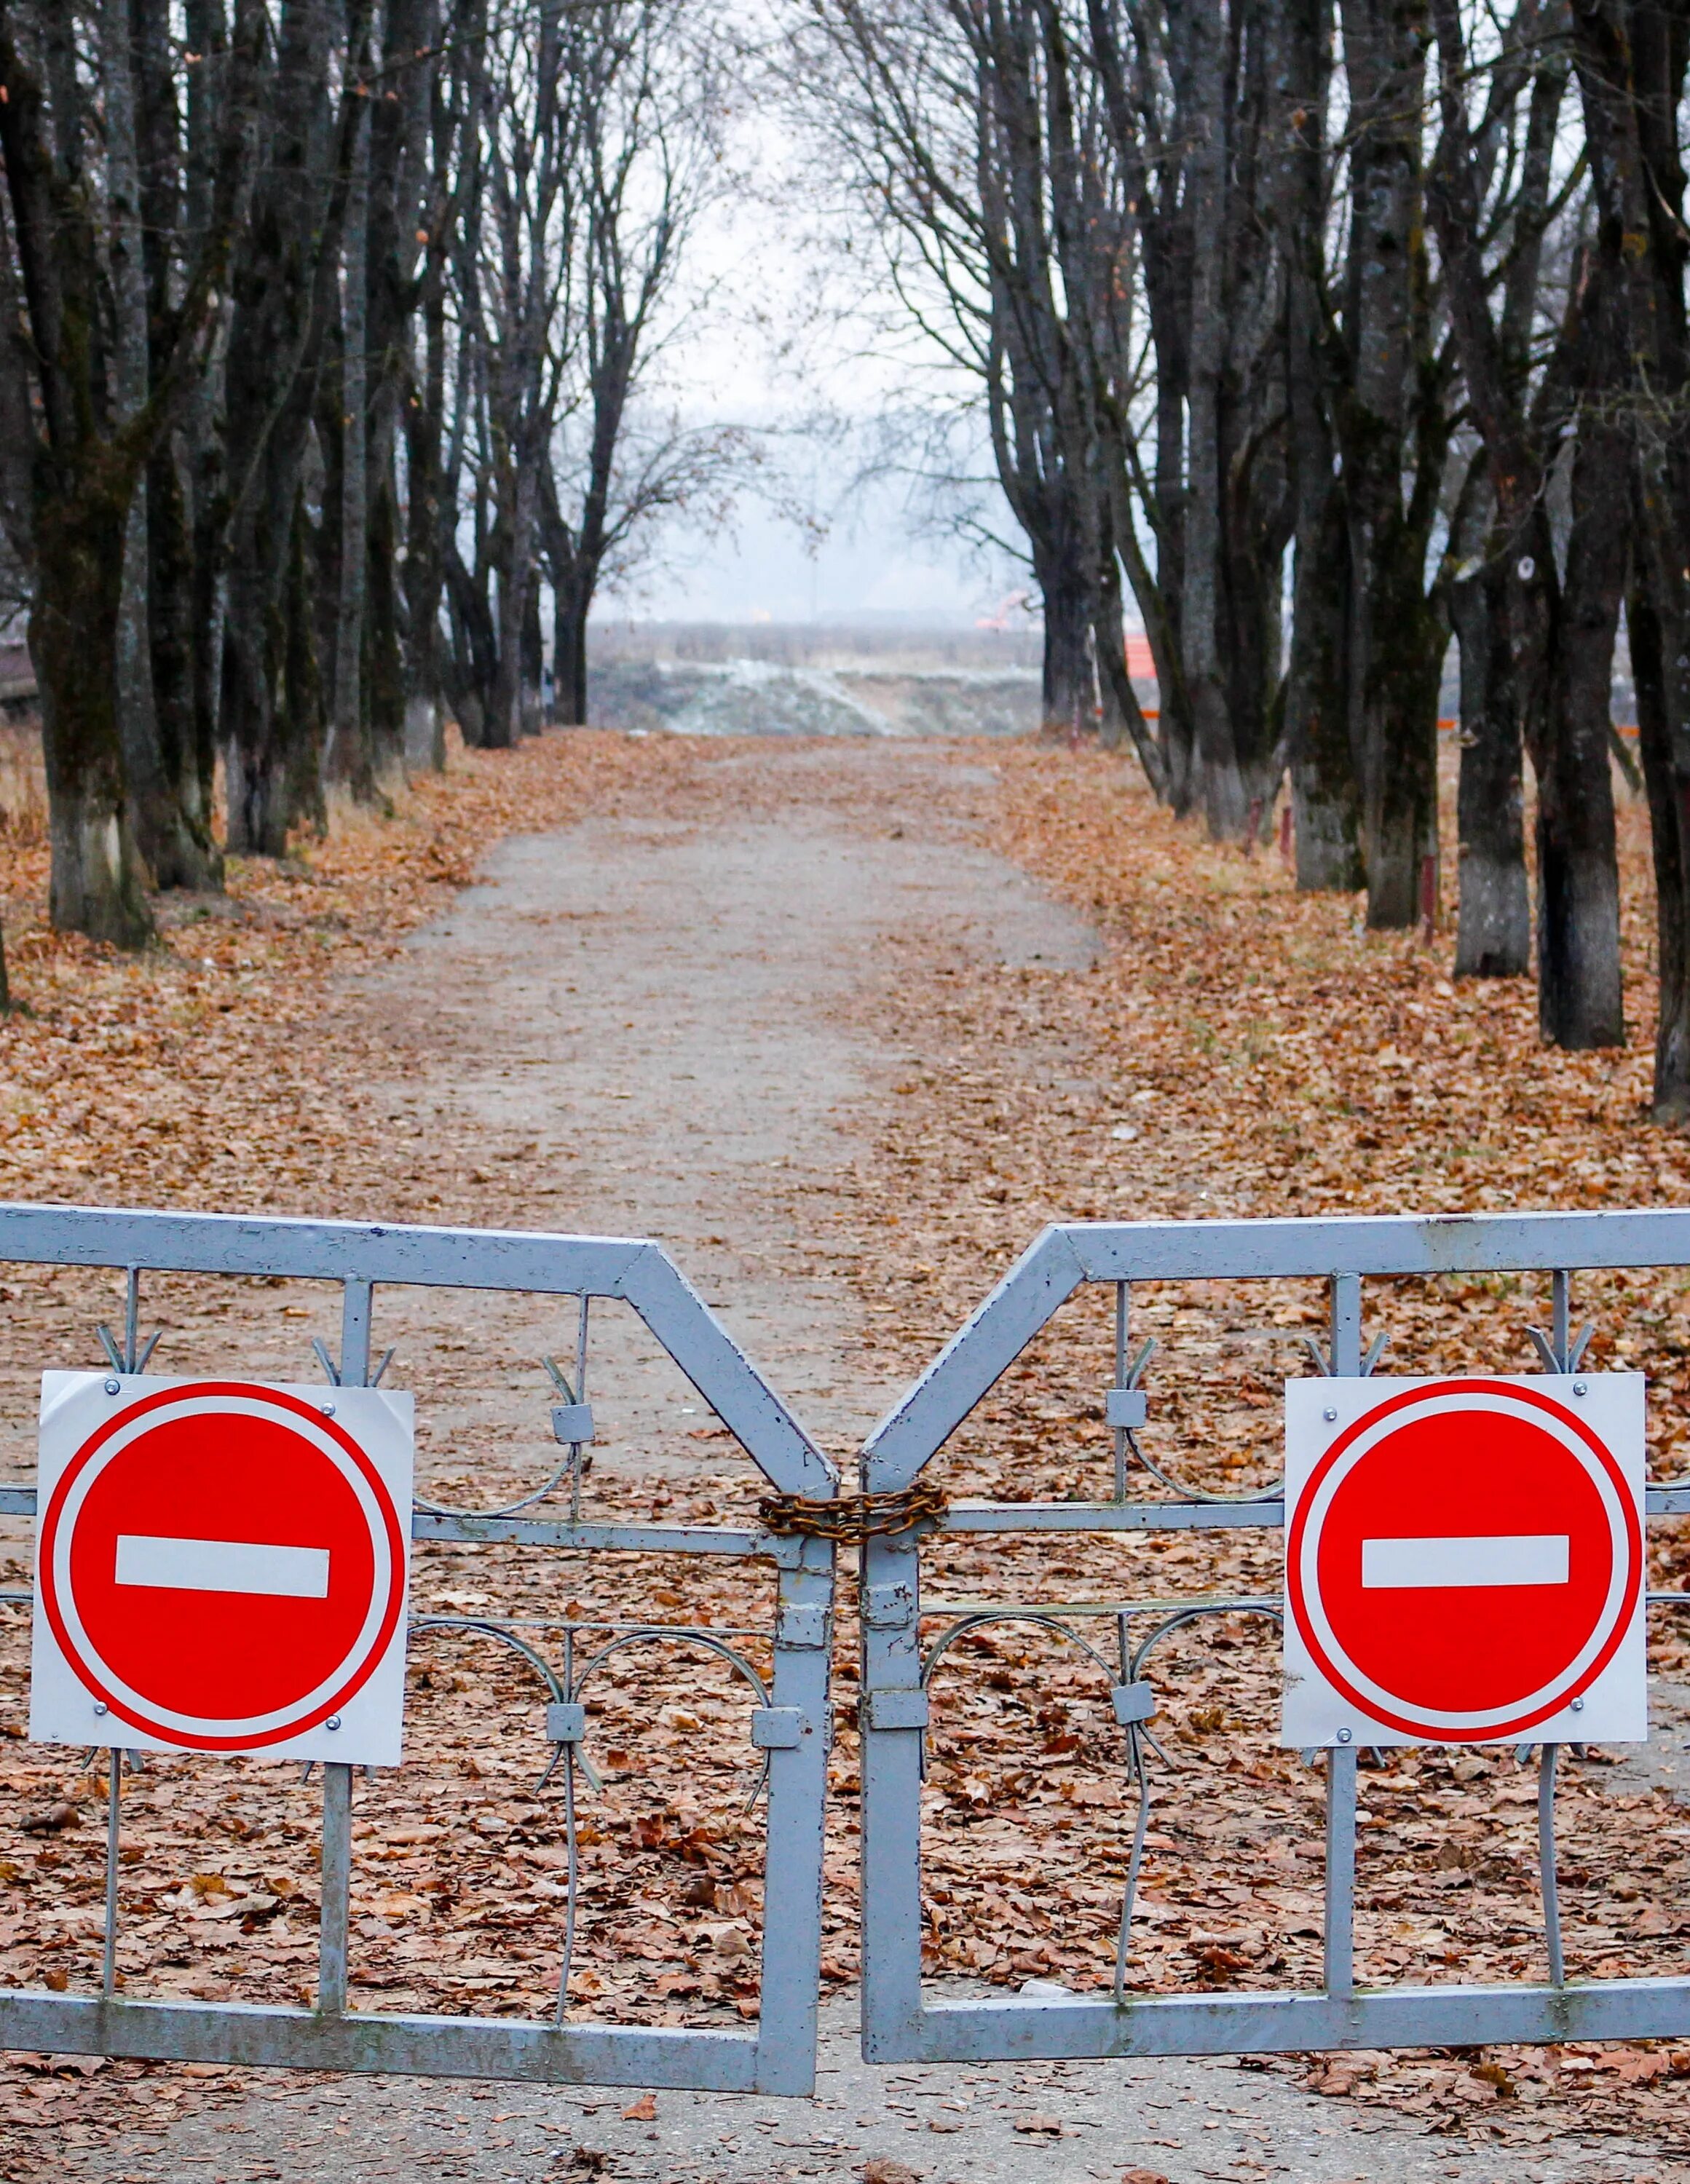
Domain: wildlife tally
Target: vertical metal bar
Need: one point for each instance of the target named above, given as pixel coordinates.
(569, 1835)
(891, 1805)
(1340, 1868)
(131, 1319)
(1341, 1758)
(336, 1888)
(114, 1805)
(1561, 1318)
(1124, 1938)
(1122, 1295)
(580, 1398)
(798, 1783)
(1546, 1861)
(356, 1297)
(1346, 1325)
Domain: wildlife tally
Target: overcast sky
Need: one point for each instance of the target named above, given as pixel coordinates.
(756, 353)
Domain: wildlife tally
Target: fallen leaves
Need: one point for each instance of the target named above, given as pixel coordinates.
(1235, 1050)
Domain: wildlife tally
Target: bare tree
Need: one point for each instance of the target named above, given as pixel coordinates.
(1562, 623)
(937, 107)
(651, 154)
(92, 422)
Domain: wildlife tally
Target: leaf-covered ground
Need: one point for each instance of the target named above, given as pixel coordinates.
(1235, 1051)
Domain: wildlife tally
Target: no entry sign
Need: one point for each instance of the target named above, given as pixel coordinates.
(221, 1567)
(1464, 1560)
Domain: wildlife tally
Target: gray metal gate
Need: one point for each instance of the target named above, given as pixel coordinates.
(903, 2023)
(789, 1724)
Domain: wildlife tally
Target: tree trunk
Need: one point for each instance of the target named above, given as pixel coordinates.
(384, 670)
(1493, 936)
(1218, 784)
(1399, 729)
(569, 663)
(1580, 998)
(1068, 685)
(1666, 770)
(96, 882)
(1325, 792)
(1326, 796)
(533, 661)
(347, 757)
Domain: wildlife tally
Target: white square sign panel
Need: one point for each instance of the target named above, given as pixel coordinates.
(221, 1567)
(1464, 1560)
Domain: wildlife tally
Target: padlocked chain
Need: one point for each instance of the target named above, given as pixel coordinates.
(852, 1518)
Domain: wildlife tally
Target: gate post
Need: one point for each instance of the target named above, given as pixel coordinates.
(892, 1726)
(797, 1813)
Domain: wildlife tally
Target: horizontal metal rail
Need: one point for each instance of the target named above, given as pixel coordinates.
(363, 1254)
(1064, 1258)
(370, 2041)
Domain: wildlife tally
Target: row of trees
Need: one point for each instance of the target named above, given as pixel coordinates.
(1322, 329)
(323, 331)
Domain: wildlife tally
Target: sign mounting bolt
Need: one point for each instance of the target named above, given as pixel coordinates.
(114, 1387)
(334, 1722)
(100, 1706)
(1330, 1415)
(1578, 1706)
(1345, 1735)
(1579, 1388)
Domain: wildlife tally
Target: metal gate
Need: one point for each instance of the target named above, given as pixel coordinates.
(904, 2023)
(789, 1724)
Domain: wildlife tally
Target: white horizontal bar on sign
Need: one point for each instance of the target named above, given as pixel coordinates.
(223, 1566)
(1476, 1559)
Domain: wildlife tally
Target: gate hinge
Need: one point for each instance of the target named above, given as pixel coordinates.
(897, 1709)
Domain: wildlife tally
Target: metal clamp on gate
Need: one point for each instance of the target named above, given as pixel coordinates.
(850, 1519)
(779, 1729)
(566, 1722)
(1133, 1702)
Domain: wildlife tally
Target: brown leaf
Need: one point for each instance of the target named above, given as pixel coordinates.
(643, 2110)
(51, 1820)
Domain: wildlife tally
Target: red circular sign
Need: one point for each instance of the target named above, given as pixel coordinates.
(1464, 1560)
(222, 1566)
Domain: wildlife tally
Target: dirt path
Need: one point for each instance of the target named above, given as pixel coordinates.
(663, 1025)
(673, 1022)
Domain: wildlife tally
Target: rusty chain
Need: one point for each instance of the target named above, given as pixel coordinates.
(852, 1518)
